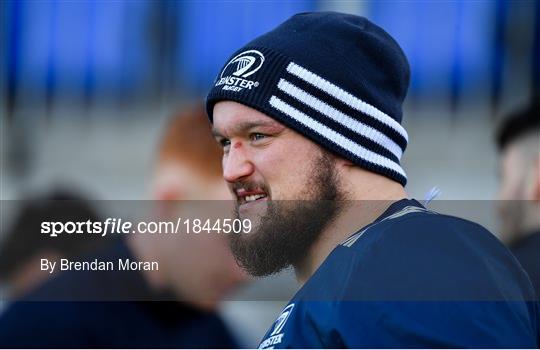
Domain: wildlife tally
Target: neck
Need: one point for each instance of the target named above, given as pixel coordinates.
(363, 205)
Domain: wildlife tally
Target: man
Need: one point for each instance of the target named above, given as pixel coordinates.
(139, 309)
(518, 140)
(23, 248)
(309, 118)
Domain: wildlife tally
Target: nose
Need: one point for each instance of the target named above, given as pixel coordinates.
(236, 164)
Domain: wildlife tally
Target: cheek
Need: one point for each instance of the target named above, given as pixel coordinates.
(284, 169)
(504, 190)
(511, 187)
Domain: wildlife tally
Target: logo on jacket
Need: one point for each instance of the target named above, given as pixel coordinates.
(276, 336)
(233, 76)
(280, 322)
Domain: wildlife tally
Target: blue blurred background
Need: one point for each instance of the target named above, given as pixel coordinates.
(125, 52)
(122, 63)
(95, 68)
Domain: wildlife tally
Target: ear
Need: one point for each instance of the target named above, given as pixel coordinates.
(169, 182)
(166, 188)
(168, 194)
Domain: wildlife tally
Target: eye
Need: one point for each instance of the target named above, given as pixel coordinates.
(224, 143)
(257, 136)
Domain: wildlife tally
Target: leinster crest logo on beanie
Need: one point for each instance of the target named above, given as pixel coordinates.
(234, 76)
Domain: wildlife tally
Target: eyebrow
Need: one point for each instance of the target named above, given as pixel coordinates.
(216, 133)
(244, 126)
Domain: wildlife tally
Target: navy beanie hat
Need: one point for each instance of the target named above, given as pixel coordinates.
(335, 78)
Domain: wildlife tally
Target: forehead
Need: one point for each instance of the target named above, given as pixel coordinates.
(232, 117)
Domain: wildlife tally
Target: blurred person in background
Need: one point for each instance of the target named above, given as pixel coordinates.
(23, 247)
(518, 141)
(174, 307)
(201, 268)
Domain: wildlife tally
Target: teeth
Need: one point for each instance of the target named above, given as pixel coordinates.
(254, 197)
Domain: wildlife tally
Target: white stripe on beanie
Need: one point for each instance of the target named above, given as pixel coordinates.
(335, 137)
(345, 97)
(341, 118)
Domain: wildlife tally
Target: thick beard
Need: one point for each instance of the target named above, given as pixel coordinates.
(287, 231)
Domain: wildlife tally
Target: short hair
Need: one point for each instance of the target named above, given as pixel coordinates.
(23, 240)
(518, 125)
(188, 140)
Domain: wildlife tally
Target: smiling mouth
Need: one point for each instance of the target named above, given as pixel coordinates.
(252, 199)
(248, 197)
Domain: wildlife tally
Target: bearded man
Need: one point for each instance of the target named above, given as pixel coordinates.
(309, 118)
